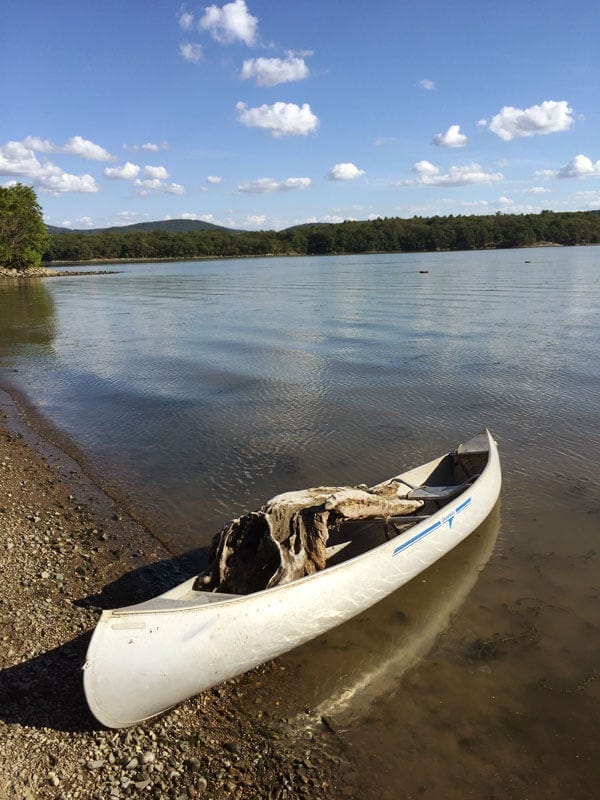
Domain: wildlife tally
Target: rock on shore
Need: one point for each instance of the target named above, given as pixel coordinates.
(45, 272)
(34, 272)
(62, 543)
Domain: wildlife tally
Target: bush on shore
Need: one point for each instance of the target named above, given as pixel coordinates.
(23, 235)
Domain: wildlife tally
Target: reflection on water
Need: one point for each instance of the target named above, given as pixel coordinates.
(199, 390)
(27, 315)
(341, 674)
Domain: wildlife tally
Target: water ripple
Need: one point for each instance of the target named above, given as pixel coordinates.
(204, 388)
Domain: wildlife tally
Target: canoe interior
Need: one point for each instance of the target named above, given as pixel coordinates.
(433, 484)
(456, 469)
(356, 537)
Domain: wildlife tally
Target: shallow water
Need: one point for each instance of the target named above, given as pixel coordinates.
(198, 390)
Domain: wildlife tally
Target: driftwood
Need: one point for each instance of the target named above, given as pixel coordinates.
(287, 538)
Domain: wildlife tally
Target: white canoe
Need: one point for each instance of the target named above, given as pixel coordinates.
(145, 658)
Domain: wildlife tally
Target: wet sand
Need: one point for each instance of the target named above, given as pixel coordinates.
(67, 551)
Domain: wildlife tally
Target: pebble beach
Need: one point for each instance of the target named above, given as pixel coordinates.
(67, 551)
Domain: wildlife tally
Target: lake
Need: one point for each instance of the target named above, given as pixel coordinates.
(195, 391)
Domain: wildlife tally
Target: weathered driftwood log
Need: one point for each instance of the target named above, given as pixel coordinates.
(287, 538)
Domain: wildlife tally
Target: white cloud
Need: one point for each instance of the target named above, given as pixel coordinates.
(474, 204)
(214, 179)
(156, 172)
(191, 52)
(130, 171)
(254, 221)
(59, 182)
(127, 172)
(251, 221)
(427, 174)
(231, 23)
(382, 140)
(78, 146)
(202, 218)
(536, 190)
(151, 146)
(186, 20)
(427, 84)
(329, 218)
(264, 185)
(40, 145)
(280, 119)
(193, 215)
(550, 116)
(16, 159)
(129, 216)
(481, 123)
(80, 222)
(589, 199)
(344, 172)
(452, 138)
(150, 185)
(75, 146)
(272, 71)
(579, 167)
(545, 173)
(447, 206)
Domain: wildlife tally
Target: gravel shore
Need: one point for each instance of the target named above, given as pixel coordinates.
(45, 272)
(32, 272)
(66, 551)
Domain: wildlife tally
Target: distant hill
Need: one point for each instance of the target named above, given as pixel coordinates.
(168, 225)
(186, 239)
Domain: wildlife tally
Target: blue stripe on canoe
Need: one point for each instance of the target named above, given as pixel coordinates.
(463, 505)
(432, 528)
(417, 537)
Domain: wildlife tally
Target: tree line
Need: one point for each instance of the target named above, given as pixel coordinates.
(24, 239)
(418, 234)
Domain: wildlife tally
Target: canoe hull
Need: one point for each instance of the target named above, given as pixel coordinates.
(144, 659)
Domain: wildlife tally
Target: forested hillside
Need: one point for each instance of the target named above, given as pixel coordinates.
(169, 225)
(418, 234)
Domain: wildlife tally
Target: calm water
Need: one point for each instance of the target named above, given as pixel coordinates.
(198, 390)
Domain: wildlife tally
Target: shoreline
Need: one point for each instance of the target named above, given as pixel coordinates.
(49, 440)
(69, 550)
(47, 272)
(183, 259)
(48, 268)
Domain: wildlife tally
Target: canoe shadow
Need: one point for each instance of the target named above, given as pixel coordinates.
(47, 691)
(146, 582)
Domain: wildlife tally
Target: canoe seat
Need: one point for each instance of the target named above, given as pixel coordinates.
(438, 493)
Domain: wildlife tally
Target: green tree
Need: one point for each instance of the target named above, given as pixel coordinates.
(23, 234)
(320, 240)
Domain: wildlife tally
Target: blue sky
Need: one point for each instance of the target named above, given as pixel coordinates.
(256, 114)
